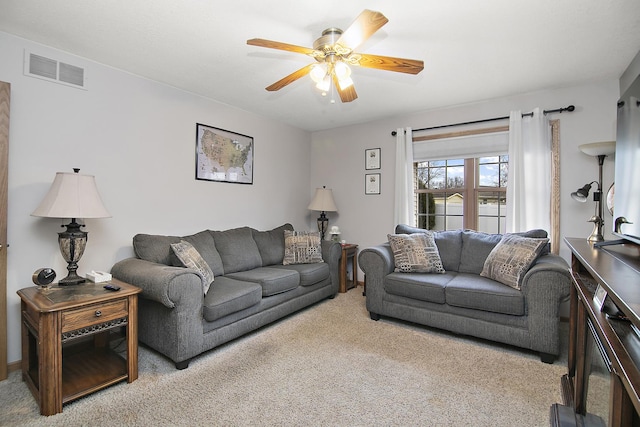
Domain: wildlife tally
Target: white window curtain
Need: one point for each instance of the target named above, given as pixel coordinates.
(529, 183)
(404, 210)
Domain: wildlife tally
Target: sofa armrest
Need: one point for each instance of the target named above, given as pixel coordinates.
(545, 286)
(376, 262)
(331, 253)
(550, 271)
(161, 283)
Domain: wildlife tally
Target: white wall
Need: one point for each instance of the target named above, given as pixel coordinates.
(366, 219)
(138, 138)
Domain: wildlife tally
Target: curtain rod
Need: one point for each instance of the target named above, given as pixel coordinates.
(557, 110)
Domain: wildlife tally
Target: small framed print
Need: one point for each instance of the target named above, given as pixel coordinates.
(372, 183)
(599, 296)
(372, 158)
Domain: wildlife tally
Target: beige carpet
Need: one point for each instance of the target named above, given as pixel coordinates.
(329, 365)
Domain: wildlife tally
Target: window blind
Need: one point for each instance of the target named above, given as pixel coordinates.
(462, 147)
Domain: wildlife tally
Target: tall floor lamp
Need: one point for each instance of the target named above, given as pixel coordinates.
(72, 196)
(323, 202)
(599, 150)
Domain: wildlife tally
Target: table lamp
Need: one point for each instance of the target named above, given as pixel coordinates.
(72, 196)
(599, 150)
(323, 202)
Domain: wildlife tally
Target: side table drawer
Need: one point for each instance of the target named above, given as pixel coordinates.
(93, 315)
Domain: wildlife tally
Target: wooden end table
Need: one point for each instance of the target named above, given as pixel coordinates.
(66, 336)
(349, 253)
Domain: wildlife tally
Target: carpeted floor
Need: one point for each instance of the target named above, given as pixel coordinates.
(329, 365)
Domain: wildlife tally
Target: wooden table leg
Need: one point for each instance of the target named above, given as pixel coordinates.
(132, 340)
(50, 364)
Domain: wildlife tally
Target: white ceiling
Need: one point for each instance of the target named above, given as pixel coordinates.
(473, 50)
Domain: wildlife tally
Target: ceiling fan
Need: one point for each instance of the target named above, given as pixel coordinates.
(334, 53)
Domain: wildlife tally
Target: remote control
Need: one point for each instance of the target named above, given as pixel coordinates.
(111, 287)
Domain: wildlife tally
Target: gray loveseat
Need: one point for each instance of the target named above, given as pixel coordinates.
(460, 300)
(251, 287)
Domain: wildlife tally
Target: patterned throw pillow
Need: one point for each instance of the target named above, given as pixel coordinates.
(415, 253)
(511, 258)
(302, 247)
(191, 258)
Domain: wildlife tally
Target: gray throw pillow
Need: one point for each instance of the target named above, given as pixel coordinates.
(191, 258)
(511, 258)
(415, 253)
(449, 244)
(302, 247)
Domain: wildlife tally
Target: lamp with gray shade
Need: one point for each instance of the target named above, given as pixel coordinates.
(599, 150)
(323, 202)
(72, 196)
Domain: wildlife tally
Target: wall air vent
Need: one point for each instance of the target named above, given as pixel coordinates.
(52, 70)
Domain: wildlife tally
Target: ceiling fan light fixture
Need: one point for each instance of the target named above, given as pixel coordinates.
(318, 73)
(342, 70)
(324, 84)
(334, 53)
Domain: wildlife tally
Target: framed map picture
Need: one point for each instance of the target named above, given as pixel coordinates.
(223, 156)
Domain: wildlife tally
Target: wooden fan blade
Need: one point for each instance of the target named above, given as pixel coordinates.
(367, 23)
(388, 63)
(281, 46)
(346, 95)
(290, 78)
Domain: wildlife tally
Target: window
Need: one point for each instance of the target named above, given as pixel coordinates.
(462, 193)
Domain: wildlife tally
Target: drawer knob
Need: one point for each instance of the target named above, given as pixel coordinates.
(98, 313)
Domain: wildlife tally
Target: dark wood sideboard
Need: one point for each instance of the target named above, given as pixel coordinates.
(602, 385)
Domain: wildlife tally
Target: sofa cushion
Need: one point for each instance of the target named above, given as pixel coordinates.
(227, 296)
(272, 280)
(154, 248)
(204, 244)
(511, 258)
(237, 249)
(419, 286)
(415, 253)
(190, 258)
(310, 274)
(476, 247)
(481, 293)
(157, 248)
(271, 244)
(302, 247)
(449, 244)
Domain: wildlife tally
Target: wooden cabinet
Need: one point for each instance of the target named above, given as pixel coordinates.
(605, 335)
(67, 337)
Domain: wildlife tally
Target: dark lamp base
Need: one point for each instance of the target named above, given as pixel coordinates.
(72, 279)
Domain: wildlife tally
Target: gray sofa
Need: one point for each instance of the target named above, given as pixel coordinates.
(462, 301)
(251, 287)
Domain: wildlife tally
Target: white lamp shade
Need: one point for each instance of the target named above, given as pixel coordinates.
(72, 196)
(603, 148)
(323, 201)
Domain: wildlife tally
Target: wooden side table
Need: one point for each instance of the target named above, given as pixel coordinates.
(66, 335)
(349, 252)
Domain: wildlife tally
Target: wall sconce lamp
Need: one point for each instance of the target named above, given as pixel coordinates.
(72, 196)
(323, 202)
(599, 150)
